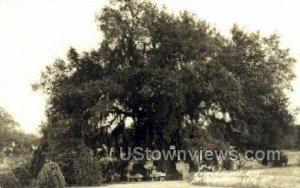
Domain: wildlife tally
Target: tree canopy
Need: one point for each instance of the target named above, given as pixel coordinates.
(161, 79)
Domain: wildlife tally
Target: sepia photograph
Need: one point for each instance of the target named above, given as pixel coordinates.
(150, 93)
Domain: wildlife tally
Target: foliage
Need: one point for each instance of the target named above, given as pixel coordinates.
(80, 166)
(40, 156)
(23, 174)
(111, 167)
(136, 168)
(87, 169)
(16, 147)
(51, 176)
(7, 127)
(175, 79)
(11, 138)
(9, 181)
(296, 139)
(282, 161)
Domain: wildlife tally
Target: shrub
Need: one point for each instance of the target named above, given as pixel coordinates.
(80, 167)
(282, 161)
(107, 168)
(23, 174)
(87, 169)
(51, 176)
(9, 181)
(113, 169)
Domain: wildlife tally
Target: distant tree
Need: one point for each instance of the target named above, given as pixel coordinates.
(175, 79)
(12, 140)
(8, 126)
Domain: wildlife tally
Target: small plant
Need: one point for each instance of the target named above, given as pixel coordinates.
(51, 176)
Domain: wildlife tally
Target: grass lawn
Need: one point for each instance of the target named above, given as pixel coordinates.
(284, 177)
(258, 177)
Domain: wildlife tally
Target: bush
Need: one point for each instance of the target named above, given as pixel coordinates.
(51, 176)
(282, 161)
(80, 167)
(23, 174)
(87, 169)
(112, 169)
(9, 181)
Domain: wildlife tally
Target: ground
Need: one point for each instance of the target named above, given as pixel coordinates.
(284, 177)
(279, 177)
(155, 184)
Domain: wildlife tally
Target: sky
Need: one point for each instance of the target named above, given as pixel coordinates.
(33, 33)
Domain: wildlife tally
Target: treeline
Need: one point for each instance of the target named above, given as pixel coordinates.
(16, 152)
(15, 146)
